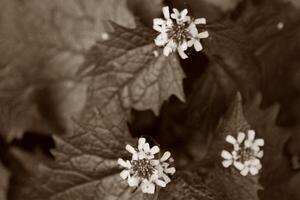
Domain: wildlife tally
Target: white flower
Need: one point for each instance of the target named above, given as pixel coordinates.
(246, 153)
(180, 17)
(144, 170)
(178, 32)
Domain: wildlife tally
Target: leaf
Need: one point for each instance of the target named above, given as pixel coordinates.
(276, 171)
(85, 160)
(4, 180)
(126, 68)
(188, 185)
(41, 106)
(230, 179)
(279, 73)
(61, 25)
(42, 45)
(209, 180)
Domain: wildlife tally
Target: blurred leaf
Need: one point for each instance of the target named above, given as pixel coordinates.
(85, 159)
(146, 10)
(295, 2)
(4, 180)
(225, 5)
(59, 25)
(126, 68)
(42, 44)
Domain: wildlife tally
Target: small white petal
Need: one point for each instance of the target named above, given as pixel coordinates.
(154, 150)
(184, 12)
(141, 143)
(260, 154)
(154, 162)
(247, 163)
(158, 21)
(148, 187)
(251, 135)
(124, 174)
(166, 156)
(166, 12)
(123, 163)
(181, 53)
(200, 21)
(166, 178)
(154, 177)
(133, 181)
(198, 46)
(187, 19)
(169, 23)
(234, 155)
(203, 34)
(241, 137)
(167, 51)
(171, 170)
(259, 142)
(173, 16)
(130, 149)
(191, 42)
(161, 39)
(255, 148)
(146, 147)
(248, 143)
(193, 30)
(231, 139)
(135, 156)
(227, 163)
(255, 162)
(183, 46)
(253, 170)
(245, 171)
(158, 28)
(236, 147)
(239, 165)
(160, 183)
(259, 166)
(226, 155)
(175, 12)
(141, 155)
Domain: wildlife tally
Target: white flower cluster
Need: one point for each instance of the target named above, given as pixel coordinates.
(246, 153)
(144, 170)
(178, 31)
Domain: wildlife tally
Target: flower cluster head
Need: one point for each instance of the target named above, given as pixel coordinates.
(178, 31)
(146, 169)
(246, 153)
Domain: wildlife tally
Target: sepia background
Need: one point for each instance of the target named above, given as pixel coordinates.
(56, 144)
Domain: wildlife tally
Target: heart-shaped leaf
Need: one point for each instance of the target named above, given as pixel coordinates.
(129, 68)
